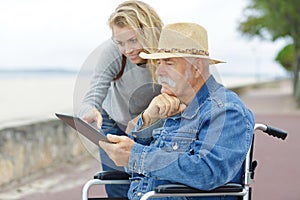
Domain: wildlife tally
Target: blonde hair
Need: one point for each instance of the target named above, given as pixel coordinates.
(144, 19)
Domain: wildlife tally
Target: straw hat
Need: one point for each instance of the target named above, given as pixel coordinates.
(182, 40)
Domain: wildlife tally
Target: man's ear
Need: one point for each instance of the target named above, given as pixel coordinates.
(199, 66)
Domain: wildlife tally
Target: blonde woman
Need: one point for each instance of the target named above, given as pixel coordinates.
(122, 84)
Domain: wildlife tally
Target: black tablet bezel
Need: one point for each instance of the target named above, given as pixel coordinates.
(84, 128)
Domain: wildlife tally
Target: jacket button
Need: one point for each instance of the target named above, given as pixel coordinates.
(175, 146)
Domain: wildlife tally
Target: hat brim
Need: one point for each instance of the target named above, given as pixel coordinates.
(177, 55)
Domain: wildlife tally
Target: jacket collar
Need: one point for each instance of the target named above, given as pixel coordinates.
(202, 95)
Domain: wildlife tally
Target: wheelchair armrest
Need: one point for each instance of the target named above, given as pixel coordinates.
(178, 188)
(112, 175)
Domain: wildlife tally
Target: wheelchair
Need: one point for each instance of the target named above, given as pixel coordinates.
(242, 191)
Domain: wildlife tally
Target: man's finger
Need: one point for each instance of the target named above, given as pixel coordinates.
(113, 138)
(182, 107)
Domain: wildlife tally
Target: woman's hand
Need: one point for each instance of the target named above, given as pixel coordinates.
(93, 115)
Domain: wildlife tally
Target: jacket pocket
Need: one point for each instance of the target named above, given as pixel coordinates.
(176, 143)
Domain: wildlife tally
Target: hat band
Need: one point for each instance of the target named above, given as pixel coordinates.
(185, 51)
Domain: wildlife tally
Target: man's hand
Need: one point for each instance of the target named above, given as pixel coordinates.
(161, 107)
(119, 150)
(131, 124)
(93, 115)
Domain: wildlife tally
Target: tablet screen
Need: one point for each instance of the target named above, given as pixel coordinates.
(84, 128)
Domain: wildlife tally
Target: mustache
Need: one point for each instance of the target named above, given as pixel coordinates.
(166, 80)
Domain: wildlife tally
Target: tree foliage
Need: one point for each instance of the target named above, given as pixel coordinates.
(286, 57)
(274, 19)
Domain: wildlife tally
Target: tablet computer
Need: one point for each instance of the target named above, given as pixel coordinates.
(84, 128)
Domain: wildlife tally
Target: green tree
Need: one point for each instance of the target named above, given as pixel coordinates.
(286, 57)
(274, 19)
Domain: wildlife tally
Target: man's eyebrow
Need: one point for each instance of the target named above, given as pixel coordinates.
(166, 60)
(163, 59)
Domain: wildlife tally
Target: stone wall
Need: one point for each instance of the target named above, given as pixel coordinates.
(26, 149)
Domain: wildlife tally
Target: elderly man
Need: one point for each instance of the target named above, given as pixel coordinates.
(196, 132)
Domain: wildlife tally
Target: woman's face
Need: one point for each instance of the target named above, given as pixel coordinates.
(128, 43)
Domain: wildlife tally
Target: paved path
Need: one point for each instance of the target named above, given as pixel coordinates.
(276, 176)
(61, 182)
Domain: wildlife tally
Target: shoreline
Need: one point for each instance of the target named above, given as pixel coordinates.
(29, 99)
(25, 100)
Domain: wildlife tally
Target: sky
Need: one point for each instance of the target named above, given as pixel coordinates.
(62, 33)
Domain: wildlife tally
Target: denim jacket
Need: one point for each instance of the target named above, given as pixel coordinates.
(204, 147)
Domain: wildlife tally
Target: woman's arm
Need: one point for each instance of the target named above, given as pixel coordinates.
(107, 61)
